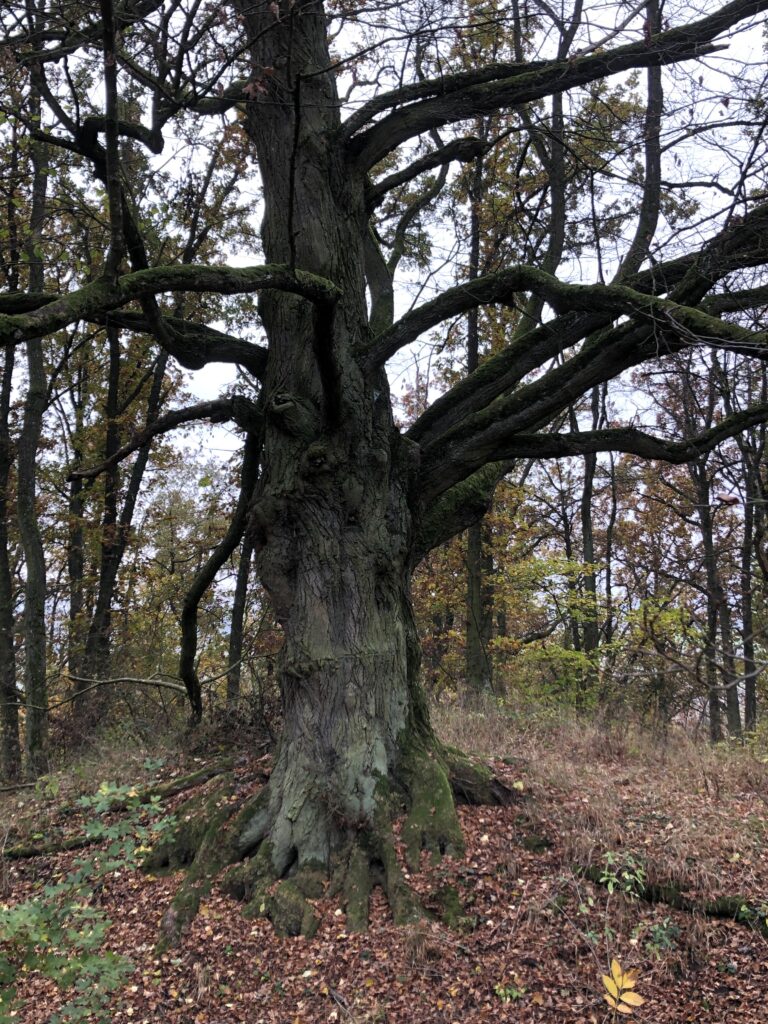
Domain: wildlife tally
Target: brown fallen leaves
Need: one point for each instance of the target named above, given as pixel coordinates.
(533, 936)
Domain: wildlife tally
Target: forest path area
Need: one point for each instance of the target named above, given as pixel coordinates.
(549, 893)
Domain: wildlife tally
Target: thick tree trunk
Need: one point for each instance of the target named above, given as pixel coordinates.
(331, 523)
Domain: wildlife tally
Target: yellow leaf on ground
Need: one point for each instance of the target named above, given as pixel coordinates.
(632, 998)
(611, 985)
(610, 1000)
(617, 972)
(624, 1009)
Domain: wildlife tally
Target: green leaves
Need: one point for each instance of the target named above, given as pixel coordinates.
(625, 874)
(61, 935)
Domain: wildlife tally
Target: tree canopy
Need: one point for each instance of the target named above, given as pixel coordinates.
(565, 192)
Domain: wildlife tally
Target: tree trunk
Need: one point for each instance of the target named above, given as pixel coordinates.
(717, 610)
(76, 527)
(479, 603)
(479, 600)
(589, 625)
(10, 753)
(331, 523)
(116, 525)
(239, 601)
(35, 684)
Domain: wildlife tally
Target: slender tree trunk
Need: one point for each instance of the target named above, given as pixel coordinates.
(479, 611)
(729, 673)
(96, 659)
(10, 752)
(76, 537)
(239, 603)
(718, 610)
(35, 684)
(10, 748)
(34, 559)
(750, 662)
(116, 525)
(715, 710)
(479, 598)
(590, 628)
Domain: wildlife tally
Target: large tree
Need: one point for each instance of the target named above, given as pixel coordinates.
(344, 504)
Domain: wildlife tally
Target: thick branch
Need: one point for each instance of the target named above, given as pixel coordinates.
(460, 149)
(451, 100)
(195, 345)
(24, 302)
(685, 278)
(622, 439)
(616, 300)
(93, 300)
(459, 508)
(153, 140)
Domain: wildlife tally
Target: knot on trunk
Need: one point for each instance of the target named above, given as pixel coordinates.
(295, 416)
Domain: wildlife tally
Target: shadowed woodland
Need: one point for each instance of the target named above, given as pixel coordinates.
(383, 510)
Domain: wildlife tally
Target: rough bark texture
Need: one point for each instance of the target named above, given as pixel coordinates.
(331, 525)
(10, 751)
(35, 403)
(331, 519)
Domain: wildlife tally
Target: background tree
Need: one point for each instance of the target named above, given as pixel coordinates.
(345, 504)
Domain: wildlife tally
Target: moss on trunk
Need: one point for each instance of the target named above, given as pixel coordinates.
(216, 833)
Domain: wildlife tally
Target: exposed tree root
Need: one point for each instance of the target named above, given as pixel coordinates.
(282, 849)
(732, 908)
(63, 844)
(26, 851)
(475, 783)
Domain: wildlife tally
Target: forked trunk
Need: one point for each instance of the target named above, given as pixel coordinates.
(331, 521)
(331, 526)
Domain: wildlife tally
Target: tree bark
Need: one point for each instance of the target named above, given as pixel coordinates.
(239, 602)
(10, 751)
(332, 526)
(35, 404)
(479, 599)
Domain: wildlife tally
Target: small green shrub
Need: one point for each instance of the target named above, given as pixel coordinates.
(509, 993)
(662, 937)
(623, 873)
(60, 934)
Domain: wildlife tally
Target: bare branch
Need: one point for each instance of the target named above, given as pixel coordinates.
(460, 149)
(93, 300)
(617, 300)
(456, 98)
(195, 345)
(474, 454)
(216, 411)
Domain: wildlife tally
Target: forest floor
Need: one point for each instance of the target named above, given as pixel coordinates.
(537, 935)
